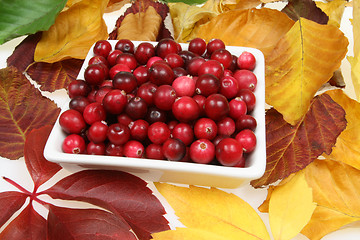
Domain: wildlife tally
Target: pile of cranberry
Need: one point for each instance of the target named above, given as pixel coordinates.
(163, 102)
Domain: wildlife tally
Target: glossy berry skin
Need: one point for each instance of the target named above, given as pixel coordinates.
(211, 67)
(97, 132)
(245, 122)
(115, 101)
(178, 72)
(186, 109)
(154, 151)
(141, 74)
(205, 128)
(197, 46)
(124, 119)
(158, 132)
(78, 88)
(216, 107)
(223, 56)
(194, 64)
(102, 48)
(101, 93)
(247, 139)
(200, 100)
(174, 149)
(118, 133)
(95, 74)
(184, 132)
(146, 91)
(202, 151)
(128, 59)
(136, 108)
(166, 46)
(118, 68)
(184, 86)
(125, 45)
(164, 97)
(95, 148)
(229, 87)
(98, 59)
(161, 74)
(125, 81)
(207, 84)
(144, 52)
(74, 143)
(174, 60)
(237, 107)
(134, 149)
(111, 58)
(229, 152)
(214, 44)
(226, 126)
(114, 150)
(248, 97)
(139, 129)
(79, 103)
(246, 79)
(246, 60)
(72, 121)
(155, 114)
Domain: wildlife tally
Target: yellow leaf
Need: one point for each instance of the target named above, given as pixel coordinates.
(336, 192)
(213, 211)
(186, 17)
(187, 234)
(290, 207)
(220, 6)
(73, 32)
(347, 148)
(258, 28)
(333, 9)
(303, 60)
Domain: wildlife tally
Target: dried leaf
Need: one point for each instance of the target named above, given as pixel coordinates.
(290, 207)
(337, 205)
(258, 28)
(115, 5)
(220, 6)
(337, 79)
(200, 210)
(13, 202)
(291, 148)
(334, 10)
(74, 32)
(23, 108)
(122, 193)
(54, 76)
(299, 66)
(297, 9)
(347, 144)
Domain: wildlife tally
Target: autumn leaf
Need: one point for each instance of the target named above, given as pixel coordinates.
(337, 205)
(13, 202)
(291, 148)
(290, 207)
(200, 210)
(258, 28)
(334, 9)
(297, 9)
(73, 33)
(22, 109)
(220, 6)
(299, 65)
(18, 18)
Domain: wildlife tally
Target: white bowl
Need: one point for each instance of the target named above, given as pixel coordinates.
(168, 171)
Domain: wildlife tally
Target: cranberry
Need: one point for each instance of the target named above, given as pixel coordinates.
(79, 103)
(187, 56)
(200, 100)
(134, 149)
(101, 93)
(160, 73)
(184, 86)
(178, 72)
(118, 68)
(97, 132)
(213, 67)
(194, 65)
(155, 115)
(226, 126)
(146, 91)
(95, 148)
(153, 60)
(95, 74)
(205, 128)
(186, 157)
(184, 132)
(78, 88)
(218, 138)
(125, 81)
(207, 84)
(197, 46)
(72, 121)
(242, 162)
(245, 122)
(112, 57)
(136, 108)
(139, 129)
(233, 66)
(114, 150)
(246, 79)
(106, 83)
(246, 60)
(124, 119)
(202, 151)
(174, 149)
(186, 109)
(92, 96)
(223, 56)
(229, 87)
(216, 107)
(115, 101)
(164, 97)
(128, 59)
(125, 45)
(154, 151)
(171, 124)
(237, 107)
(118, 133)
(74, 143)
(94, 112)
(229, 152)
(174, 60)
(98, 59)
(214, 44)
(144, 52)
(141, 74)
(102, 48)
(166, 46)
(247, 139)
(249, 98)
(158, 132)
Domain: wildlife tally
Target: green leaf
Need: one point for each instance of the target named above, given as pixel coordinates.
(24, 17)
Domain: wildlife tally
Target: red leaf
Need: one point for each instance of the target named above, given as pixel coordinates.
(122, 193)
(22, 109)
(81, 224)
(291, 148)
(39, 168)
(54, 76)
(23, 54)
(28, 225)
(13, 202)
(306, 9)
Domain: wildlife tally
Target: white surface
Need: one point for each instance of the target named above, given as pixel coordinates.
(16, 170)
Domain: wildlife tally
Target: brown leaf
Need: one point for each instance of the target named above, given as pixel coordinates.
(22, 109)
(291, 148)
(54, 76)
(296, 9)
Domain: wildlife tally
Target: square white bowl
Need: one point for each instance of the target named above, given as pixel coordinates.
(169, 171)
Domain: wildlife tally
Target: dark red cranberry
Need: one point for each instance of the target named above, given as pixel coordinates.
(101, 92)
(146, 91)
(114, 150)
(97, 132)
(154, 114)
(178, 72)
(164, 97)
(74, 143)
(186, 109)
(118, 68)
(160, 74)
(102, 47)
(72, 121)
(115, 101)
(233, 66)
(125, 45)
(154, 151)
(166, 46)
(187, 56)
(158, 132)
(134, 149)
(174, 149)
(213, 67)
(205, 128)
(94, 112)
(226, 126)
(249, 97)
(246, 79)
(207, 84)
(136, 108)
(95, 74)
(141, 74)
(79, 103)
(95, 148)
(184, 132)
(194, 64)
(245, 122)
(216, 107)
(124, 119)
(246, 60)
(98, 59)
(218, 138)
(229, 152)
(223, 56)
(78, 88)
(174, 60)
(106, 83)
(118, 133)
(139, 129)
(247, 139)
(112, 56)
(128, 59)
(92, 95)
(202, 151)
(214, 44)
(197, 46)
(125, 81)
(144, 52)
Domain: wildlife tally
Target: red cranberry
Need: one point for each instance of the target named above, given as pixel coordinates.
(134, 149)
(164, 97)
(102, 48)
(78, 88)
(106, 83)
(79, 103)
(146, 91)
(174, 149)
(174, 60)
(118, 133)
(112, 57)
(154, 151)
(94, 112)
(141, 74)
(154, 114)
(166, 46)
(223, 56)
(245, 122)
(171, 124)
(115, 101)
(229, 152)
(242, 162)
(200, 100)
(202, 151)
(139, 129)
(197, 46)
(178, 72)
(214, 44)
(184, 132)
(153, 60)
(213, 67)
(114, 150)
(144, 52)
(249, 98)
(238, 108)
(118, 68)
(95, 74)
(247, 139)
(207, 84)
(158, 132)
(124, 119)
(136, 108)
(216, 107)
(194, 65)
(185, 109)
(226, 126)
(218, 138)
(98, 59)
(92, 96)
(160, 74)
(184, 86)
(97, 132)
(101, 93)
(74, 143)
(205, 128)
(128, 59)
(229, 87)
(125, 81)
(72, 121)
(125, 45)
(246, 79)
(95, 148)
(246, 60)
